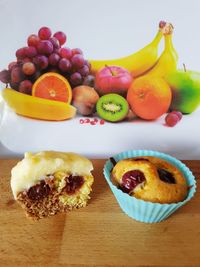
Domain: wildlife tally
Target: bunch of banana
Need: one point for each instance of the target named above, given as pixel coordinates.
(36, 107)
(167, 61)
(137, 63)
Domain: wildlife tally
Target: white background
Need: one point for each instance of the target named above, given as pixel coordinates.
(102, 29)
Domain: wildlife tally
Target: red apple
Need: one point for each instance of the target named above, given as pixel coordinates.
(113, 79)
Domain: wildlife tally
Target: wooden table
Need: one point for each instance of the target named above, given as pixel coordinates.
(98, 235)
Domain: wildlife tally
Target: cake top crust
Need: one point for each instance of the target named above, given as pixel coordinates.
(35, 167)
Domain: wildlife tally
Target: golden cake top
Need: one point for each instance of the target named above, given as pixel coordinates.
(34, 167)
(150, 179)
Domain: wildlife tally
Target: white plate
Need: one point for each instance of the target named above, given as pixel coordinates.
(20, 134)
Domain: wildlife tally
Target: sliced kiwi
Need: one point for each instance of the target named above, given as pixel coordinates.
(112, 107)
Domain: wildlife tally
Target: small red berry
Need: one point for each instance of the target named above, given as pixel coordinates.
(87, 121)
(178, 113)
(171, 119)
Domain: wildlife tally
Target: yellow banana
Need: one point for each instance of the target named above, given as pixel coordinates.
(169, 57)
(36, 107)
(136, 63)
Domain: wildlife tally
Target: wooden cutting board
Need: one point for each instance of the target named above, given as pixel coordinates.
(98, 235)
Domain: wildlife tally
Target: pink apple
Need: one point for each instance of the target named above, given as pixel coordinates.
(113, 79)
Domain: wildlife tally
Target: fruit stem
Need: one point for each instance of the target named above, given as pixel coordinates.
(168, 41)
(162, 24)
(169, 45)
(110, 69)
(184, 67)
(167, 29)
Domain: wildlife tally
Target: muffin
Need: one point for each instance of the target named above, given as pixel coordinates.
(49, 182)
(148, 185)
(151, 179)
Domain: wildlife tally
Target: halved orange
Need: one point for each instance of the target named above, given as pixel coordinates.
(52, 86)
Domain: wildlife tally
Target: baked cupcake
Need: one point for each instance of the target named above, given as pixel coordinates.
(49, 182)
(149, 185)
(150, 179)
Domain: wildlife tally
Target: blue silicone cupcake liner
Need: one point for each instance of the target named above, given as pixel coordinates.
(145, 211)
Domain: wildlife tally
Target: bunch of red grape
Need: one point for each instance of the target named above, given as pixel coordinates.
(45, 53)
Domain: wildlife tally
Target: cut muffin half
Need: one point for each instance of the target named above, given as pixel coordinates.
(49, 182)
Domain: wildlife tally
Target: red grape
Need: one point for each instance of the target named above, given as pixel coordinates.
(25, 87)
(55, 43)
(14, 86)
(61, 37)
(54, 59)
(65, 52)
(11, 65)
(5, 76)
(88, 64)
(41, 62)
(33, 40)
(64, 65)
(84, 71)
(76, 78)
(31, 51)
(21, 53)
(57, 51)
(76, 51)
(44, 33)
(45, 47)
(89, 80)
(178, 113)
(35, 76)
(25, 60)
(36, 60)
(77, 61)
(28, 68)
(171, 119)
(16, 75)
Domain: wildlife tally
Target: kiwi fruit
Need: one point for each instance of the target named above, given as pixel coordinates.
(112, 107)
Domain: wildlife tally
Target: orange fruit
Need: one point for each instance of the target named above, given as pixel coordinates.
(52, 86)
(149, 97)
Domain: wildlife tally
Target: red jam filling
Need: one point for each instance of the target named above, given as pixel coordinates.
(131, 179)
(38, 191)
(166, 176)
(73, 183)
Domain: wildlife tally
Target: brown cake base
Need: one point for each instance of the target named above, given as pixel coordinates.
(46, 199)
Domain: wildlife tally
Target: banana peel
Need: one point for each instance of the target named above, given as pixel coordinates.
(168, 60)
(136, 63)
(37, 108)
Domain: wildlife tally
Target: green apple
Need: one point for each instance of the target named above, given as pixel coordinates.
(185, 86)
